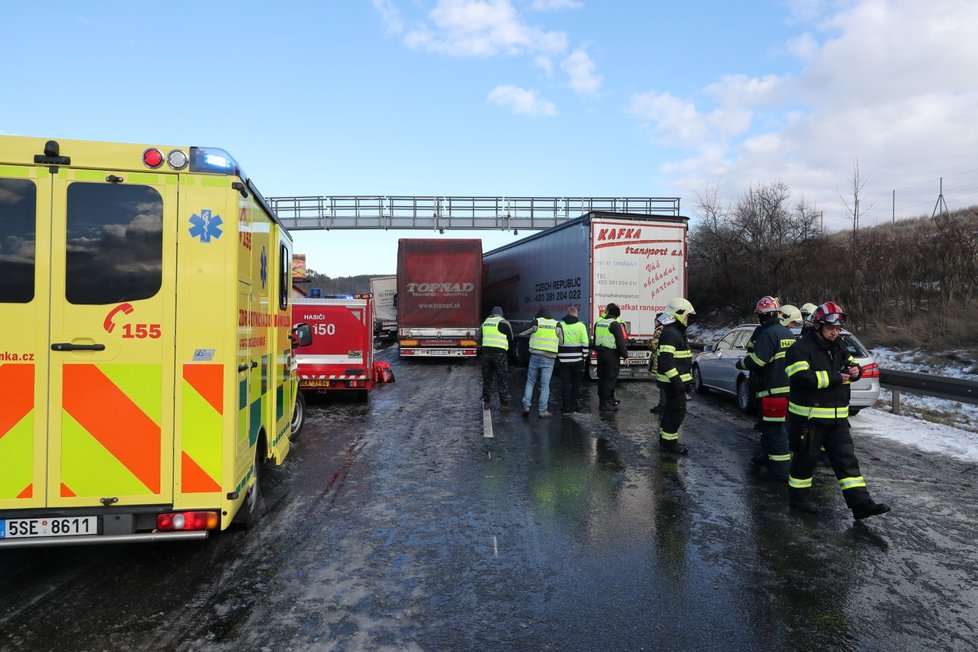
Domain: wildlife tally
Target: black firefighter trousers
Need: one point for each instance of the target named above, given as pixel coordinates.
(673, 413)
(806, 438)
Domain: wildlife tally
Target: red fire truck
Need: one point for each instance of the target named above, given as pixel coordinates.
(341, 354)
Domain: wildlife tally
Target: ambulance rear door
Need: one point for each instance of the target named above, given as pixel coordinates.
(111, 338)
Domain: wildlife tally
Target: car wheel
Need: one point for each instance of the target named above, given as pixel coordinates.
(744, 400)
(698, 385)
(298, 416)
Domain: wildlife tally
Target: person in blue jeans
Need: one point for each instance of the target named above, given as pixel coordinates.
(546, 337)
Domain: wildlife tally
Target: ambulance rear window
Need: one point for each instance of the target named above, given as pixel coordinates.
(114, 243)
(18, 208)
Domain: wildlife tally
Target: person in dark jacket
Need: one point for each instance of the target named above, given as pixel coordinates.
(571, 357)
(674, 372)
(770, 341)
(609, 343)
(820, 370)
(496, 338)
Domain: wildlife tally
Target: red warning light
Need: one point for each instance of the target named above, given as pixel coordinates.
(153, 158)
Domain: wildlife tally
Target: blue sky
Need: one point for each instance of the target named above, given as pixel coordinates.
(518, 98)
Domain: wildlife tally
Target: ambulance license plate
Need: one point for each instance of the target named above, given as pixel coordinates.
(19, 528)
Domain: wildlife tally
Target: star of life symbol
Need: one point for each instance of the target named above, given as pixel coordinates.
(205, 225)
(264, 267)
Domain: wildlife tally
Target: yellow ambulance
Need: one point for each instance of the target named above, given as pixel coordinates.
(146, 344)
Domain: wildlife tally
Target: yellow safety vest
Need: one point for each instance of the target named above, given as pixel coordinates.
(491, 336)
(602, 335)
(544, 338)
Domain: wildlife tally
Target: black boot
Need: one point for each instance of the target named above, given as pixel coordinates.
(673, 447)
(805, 505)
(869, 508)
(801, 500)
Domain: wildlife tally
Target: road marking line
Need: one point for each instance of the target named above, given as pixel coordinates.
(495, 548)
(487, 424)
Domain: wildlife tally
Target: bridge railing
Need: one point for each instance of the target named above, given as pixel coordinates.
(437, 212)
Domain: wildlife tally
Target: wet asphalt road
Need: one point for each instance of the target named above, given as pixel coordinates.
(397, 525)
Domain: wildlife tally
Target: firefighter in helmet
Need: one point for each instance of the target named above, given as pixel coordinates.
(791, 316)
(806, 314)
(674, 362)
(765, 361)
(819, 371)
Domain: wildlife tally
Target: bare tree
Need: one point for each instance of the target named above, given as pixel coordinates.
(853, 209)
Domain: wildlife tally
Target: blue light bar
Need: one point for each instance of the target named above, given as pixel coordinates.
(213, 160)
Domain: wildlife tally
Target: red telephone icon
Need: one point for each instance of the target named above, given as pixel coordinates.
(124, 308)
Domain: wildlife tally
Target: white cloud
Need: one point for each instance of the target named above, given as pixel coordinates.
(888, 82)
(467, 28)
(544, 63)
(389, 15)
(584, 80)
(522, 101)
(555, 5)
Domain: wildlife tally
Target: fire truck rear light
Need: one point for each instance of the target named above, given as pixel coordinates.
(153, 158)
(177, 159)
(468, 343)
(186, 521)
(409, 342)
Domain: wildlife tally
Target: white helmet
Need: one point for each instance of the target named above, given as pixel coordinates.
(807, 309)
(681, 309)
(790, 314)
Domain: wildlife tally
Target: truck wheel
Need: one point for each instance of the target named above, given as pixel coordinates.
(298, 416)
(698, 385)
(250, 508)
(744, 400)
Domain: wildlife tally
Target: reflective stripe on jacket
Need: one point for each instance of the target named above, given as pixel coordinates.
(575, 346)
(765, 360)
(674, 357)
(814, 368)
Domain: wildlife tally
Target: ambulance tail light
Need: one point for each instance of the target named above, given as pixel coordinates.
(184, 521)
(152, 158)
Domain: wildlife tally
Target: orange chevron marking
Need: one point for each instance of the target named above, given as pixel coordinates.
(194, 479)
(28, 491)
(66, 492)
(114, 421)
(17, 381)
(207, 379)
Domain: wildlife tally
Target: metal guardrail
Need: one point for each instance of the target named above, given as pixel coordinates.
(955, 389)
(437, 212)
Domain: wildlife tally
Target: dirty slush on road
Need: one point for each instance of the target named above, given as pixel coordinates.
(397, 523)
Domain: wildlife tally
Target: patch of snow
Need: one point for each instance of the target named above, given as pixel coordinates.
(928, 437)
